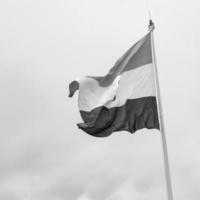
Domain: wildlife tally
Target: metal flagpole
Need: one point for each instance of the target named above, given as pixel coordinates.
(160, 115)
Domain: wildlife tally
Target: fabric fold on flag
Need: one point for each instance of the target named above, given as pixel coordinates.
(124, 99)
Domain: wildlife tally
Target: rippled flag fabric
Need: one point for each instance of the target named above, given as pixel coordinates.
(122, 100)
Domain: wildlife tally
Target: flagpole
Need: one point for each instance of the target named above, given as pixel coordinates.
(160, 115)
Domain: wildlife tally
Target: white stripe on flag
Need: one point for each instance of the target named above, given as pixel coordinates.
(133, 84)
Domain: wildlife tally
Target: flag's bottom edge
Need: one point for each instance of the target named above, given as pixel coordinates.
(134, 115)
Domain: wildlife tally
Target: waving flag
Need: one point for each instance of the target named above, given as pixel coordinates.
(124, 99)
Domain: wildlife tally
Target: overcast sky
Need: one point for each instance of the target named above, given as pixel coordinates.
(45, 44)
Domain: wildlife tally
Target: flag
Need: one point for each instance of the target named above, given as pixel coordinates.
(124, 99)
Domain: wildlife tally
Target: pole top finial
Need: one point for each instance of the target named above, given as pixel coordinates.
(151, 25)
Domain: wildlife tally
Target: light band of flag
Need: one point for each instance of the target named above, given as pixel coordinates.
(124, 99)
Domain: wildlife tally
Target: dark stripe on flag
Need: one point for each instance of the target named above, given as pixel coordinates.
(142, 57)
(134, 115)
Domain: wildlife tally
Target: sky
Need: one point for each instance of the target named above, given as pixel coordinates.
(44, 45)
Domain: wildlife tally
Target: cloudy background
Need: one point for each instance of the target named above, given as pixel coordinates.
(44, 44)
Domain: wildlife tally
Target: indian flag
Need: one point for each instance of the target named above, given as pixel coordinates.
(124, 99)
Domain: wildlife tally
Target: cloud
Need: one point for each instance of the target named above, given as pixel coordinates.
(108, 170)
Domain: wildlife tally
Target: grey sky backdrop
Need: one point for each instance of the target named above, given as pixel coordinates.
(44, 44)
